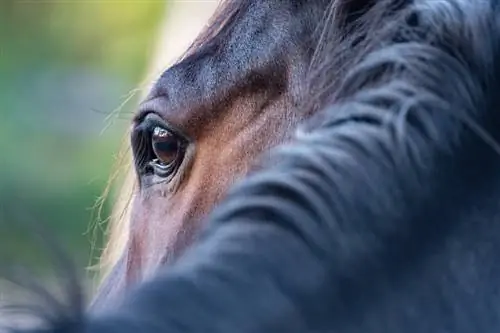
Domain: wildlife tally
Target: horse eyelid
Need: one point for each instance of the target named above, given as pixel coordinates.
(149, 120)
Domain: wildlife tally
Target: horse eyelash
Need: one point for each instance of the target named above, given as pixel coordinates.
(142, 153)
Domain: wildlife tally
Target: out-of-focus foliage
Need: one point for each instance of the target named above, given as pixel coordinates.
(65, 66)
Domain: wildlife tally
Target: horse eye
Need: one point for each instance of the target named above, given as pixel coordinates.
(167, 150)
(165, 145)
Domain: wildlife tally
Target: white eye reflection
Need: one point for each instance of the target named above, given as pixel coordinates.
(161, 132)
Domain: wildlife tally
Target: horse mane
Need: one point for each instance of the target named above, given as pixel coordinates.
(418, 93)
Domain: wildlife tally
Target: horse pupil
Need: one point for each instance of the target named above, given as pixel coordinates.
(165, 145)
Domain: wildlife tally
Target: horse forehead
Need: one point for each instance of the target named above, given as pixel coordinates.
(257, 50)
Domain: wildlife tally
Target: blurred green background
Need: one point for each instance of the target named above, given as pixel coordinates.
(66, 67)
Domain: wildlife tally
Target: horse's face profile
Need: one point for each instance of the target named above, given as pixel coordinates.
(382, 217)
(208, 118)
(241, 88)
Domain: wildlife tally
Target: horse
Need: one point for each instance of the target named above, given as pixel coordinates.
(379, 215)
(233, 95)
